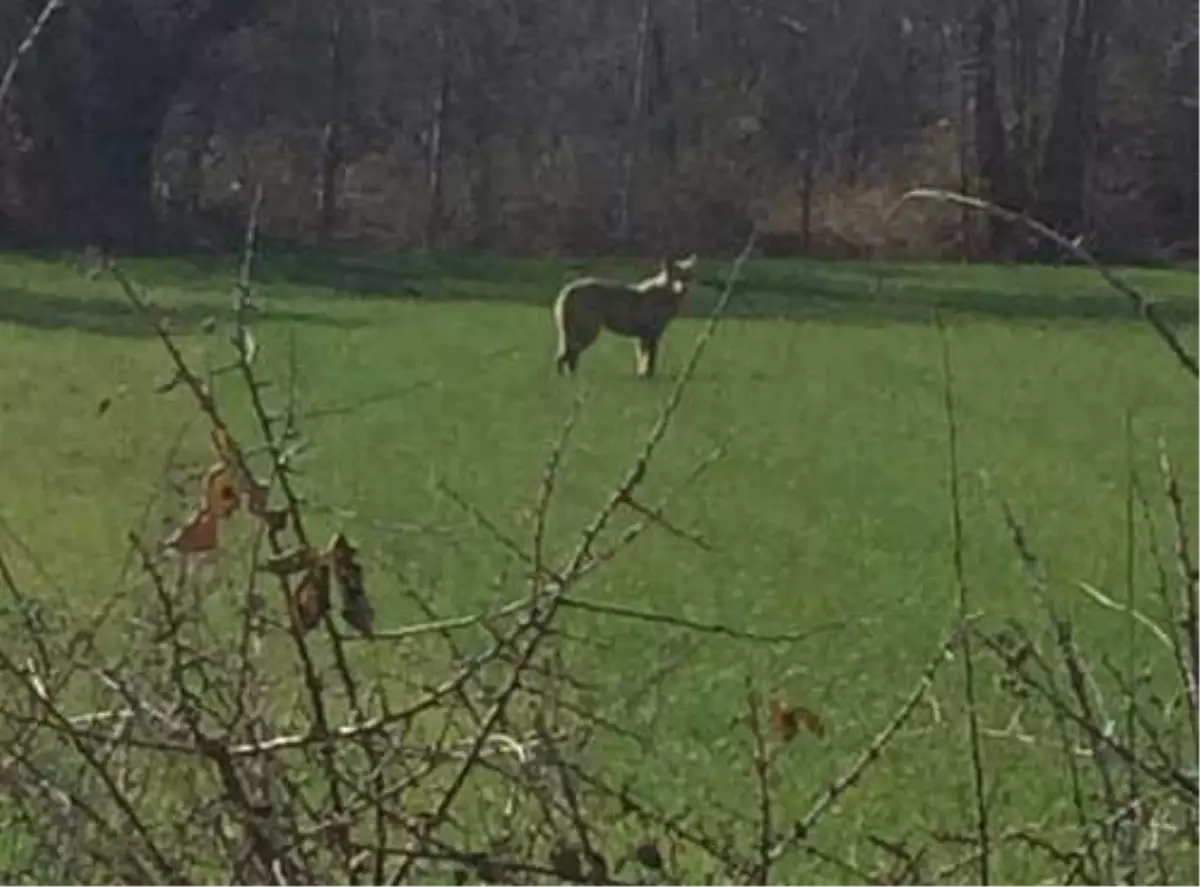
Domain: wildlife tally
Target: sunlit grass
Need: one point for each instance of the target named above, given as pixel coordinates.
(829, 506)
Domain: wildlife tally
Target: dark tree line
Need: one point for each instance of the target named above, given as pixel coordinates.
(544, 126)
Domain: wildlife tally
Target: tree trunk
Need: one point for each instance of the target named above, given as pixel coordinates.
(1064, 167)
(1023, 74)
(437, 126)
(991, 149)
(662, 108)
(808, 182)
(966, 241)
(330, 167)
(698, 66)
(95, 113)
(478, 106)
(97, 88)
(634, 133)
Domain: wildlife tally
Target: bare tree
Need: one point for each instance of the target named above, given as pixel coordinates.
(1070, 138)
(94, 95)
(331, 157)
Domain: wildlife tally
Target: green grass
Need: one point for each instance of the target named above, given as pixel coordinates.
(830, 505)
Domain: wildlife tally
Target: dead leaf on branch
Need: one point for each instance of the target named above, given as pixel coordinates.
(356, 609)
(312, 598)
(220, 491)
(225, 483)
(310, 602)
(786, 720)
(198, 535)
(341, 548)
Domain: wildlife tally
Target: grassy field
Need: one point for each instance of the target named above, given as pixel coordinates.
(829, 506)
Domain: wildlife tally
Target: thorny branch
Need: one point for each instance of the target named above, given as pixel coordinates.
(466, 746)
(304, 795)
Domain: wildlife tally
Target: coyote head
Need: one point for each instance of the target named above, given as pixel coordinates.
(675, 275)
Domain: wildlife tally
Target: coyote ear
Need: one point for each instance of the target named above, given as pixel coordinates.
(687, 263)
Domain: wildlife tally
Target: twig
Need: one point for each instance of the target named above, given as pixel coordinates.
(537, 623)
(1169, 606)
(969, 689)
(637, 528)
(35, 30)
(834, 791)
(705, 627)
(73, 801)
(164, 868)
(1132, 722)
(1107, 602)
(1187, 572)
(541, 507)
(655, 516)
(762, 771)
(637, 471)
(440, 626)
(1170, 778)
(1140, 302)
(203, 395)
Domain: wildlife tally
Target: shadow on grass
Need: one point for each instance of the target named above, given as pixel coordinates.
(421, 275)
(852, 293)
(113, 316)
(914, 305)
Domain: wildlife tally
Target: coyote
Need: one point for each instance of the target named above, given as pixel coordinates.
(639, 310)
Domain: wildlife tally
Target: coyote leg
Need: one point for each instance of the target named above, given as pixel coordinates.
(647, 356)
(566, 361)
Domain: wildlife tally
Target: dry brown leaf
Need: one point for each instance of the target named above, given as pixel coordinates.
(310, 602)
(220, 491)
(786, 720)
(812, 721)
(358, 612)
(199, 534)
(783, 720)
(340, 548)
(356, 609)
